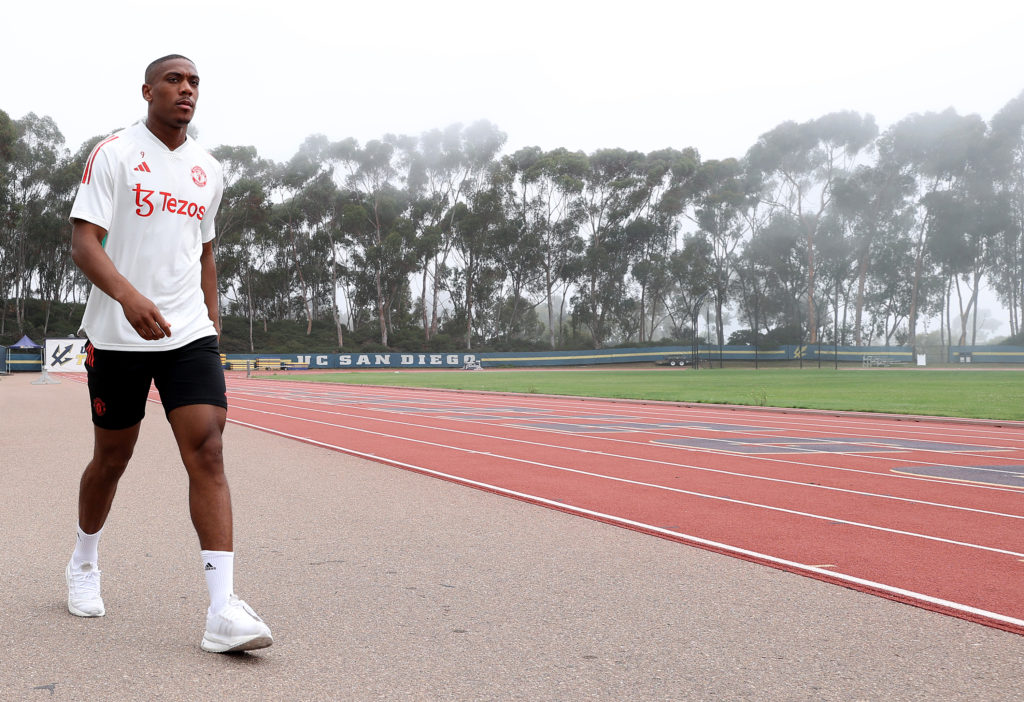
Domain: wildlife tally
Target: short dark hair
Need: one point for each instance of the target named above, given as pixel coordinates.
(151, 68)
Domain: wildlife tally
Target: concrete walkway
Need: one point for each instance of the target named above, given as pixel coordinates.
(380, 584)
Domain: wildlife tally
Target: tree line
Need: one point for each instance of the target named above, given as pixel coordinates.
(825, 230)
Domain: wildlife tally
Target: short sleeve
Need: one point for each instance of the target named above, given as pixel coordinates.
(95, 199)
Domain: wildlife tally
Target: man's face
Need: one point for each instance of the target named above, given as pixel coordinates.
(172, 92)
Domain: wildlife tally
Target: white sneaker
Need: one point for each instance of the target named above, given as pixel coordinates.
(236, 627)
(84, 590)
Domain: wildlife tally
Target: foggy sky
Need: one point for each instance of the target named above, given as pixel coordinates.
(641, 75)
(584, 75)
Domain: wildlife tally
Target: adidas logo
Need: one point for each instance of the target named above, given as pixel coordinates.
(143, 167)
(210, 566)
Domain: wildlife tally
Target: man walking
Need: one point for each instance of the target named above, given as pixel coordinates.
(142, 233)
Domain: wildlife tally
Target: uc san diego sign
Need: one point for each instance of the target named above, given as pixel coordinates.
(378, 360)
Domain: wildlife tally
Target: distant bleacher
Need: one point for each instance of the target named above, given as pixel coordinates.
(875, 361)
(262, 364)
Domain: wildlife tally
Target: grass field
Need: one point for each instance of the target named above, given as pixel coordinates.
(996, 394)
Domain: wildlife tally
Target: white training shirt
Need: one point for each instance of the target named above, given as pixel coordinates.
(157, 207)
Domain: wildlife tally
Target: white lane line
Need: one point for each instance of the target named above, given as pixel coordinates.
(906, 425)
(924, 600)
(657, 462)
(760, 458)
(576, 471)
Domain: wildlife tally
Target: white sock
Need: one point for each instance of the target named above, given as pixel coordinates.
(86, 549)
(219, 567)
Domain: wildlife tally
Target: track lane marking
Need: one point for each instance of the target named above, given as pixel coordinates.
(900, 594)
(964, 481)
(761, 458)
(640, 459)
(627, 481)
(892, 424)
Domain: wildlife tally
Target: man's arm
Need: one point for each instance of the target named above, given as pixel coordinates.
(208, 282)
(88, 254)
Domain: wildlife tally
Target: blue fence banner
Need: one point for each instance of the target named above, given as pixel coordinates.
(18, 361)
(986, 354)
(495, 359)
(806, 352)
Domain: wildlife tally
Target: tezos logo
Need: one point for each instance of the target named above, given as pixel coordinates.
(199, 176)
(144, 205)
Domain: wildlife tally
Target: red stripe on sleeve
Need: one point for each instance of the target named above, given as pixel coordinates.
(87, 176)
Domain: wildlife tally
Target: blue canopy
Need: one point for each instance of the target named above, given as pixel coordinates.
(25, 343)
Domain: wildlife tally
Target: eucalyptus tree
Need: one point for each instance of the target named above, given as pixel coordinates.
(779, 280)
(516, 241)
(988, 211)
(294, 249)
(1006, 153)
(802, 163)
(8, 139)
(560, 211)
(445, 169)
(244, 246)
(692, 275)
(724, 196)
(965, 228)
(427, 212)
(8, 136)
(27, 232)
(943, 152)
(55, 273)
(477, 283)
(652, 276)
(324, 247)
(874, 209)
(889, 290)
(541, 197)
(836, 270)
(662, 196)
(381, 230)
(612, 195)
(518, 320)
(747, 288)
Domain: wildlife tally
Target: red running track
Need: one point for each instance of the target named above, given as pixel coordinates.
(926, 512)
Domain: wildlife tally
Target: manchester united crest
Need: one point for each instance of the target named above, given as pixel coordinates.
(199, 176)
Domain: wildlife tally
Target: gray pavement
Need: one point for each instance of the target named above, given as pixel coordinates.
(380, 584)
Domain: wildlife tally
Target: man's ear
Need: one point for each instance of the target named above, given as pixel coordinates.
(147, 92)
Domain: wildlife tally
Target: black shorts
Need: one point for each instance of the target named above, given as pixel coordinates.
(119, 381)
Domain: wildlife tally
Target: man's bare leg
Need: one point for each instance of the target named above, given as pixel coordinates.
(199, 430)
(112, 449)
(231, 625)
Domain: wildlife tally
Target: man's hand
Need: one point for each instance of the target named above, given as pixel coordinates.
(144, 317)
(88, 254)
